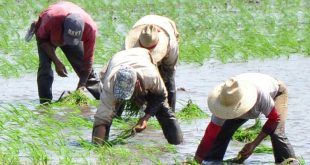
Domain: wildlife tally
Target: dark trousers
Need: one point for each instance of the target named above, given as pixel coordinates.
(168, 75)
(167, 120)
(45, 75)
(282, 149)
(169, 125)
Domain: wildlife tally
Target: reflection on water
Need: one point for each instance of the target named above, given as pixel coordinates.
(197, 82)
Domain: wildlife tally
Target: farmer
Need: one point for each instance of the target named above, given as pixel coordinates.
(132, 75)
(237, 100)
(69, 27)
(159, 35)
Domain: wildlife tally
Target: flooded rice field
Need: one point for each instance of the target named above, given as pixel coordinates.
(196, 81)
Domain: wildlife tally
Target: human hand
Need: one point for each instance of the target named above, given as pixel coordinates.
(81, 88)
(247, 151)
(61, 69)
(141, 125)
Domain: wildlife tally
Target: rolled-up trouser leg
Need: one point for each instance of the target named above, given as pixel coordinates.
(282, 148)
(45, 77)
(221, 142)
(170, 126)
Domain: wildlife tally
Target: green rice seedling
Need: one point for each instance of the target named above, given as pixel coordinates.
(124, 124)
(109, 154)
(263, 149)
(301, 161)
(215, 29)
(9, 69)
(131, 109)
(9, 157)
(131, 113)
(169, 148)
(190, 111)
(156, 161)
(75, 98)
(86, 144)
(153, 123)
(248, 134)
(66, 160)
(121, 138)
(149, 148)
(40, 134)
(37, 154)
(189, 161)
(77, 121)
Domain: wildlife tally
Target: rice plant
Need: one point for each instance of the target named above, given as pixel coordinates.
(248, 134)
(190, 111)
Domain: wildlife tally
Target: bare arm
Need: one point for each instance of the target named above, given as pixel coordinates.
(268, 128)
(50, 51)
(248, 149)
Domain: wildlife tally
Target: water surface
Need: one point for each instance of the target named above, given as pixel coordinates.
(198, 80)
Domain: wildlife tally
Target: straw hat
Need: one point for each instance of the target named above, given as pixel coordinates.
(232, 99)
(150, 37)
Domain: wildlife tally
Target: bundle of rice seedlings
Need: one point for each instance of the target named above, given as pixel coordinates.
(74, 98)
(248, 134)
(191, 111)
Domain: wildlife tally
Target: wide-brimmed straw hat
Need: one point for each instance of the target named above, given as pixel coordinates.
(150, 37)
(125, 82)
(232, 99)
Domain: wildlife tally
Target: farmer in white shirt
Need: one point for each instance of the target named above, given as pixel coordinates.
(237, 100)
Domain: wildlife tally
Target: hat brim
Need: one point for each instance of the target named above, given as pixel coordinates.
(126, 94)
(248, 100)
(158, 52)
(71, 40)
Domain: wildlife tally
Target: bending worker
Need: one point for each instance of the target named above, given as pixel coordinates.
(69, 27)
(159, 35)
(131, 74)
(237, 100)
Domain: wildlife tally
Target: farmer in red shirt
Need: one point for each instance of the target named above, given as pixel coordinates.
(69, 27)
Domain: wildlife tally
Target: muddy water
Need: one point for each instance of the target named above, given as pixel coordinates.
(197, 82)
(294, 71)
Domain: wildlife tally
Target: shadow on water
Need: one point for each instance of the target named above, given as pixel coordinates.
(197, 81)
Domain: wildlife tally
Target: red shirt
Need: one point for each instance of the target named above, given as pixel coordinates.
(50, 28)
